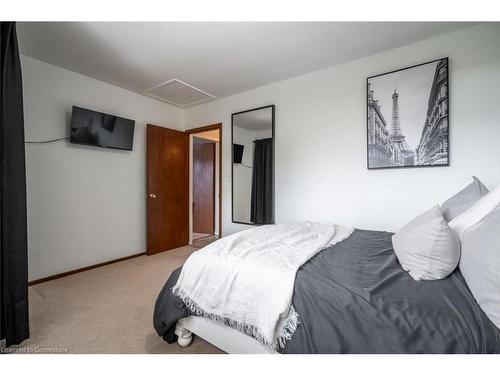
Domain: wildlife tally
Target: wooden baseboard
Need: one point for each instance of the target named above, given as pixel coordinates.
(67, 273)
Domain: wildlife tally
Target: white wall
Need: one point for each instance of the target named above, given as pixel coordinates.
(263, 134)
(242, 186)
(320, 130)
(85, 205)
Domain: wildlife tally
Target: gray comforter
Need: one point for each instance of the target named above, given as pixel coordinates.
(354, 297)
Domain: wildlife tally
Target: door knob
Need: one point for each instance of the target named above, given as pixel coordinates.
(152, 196)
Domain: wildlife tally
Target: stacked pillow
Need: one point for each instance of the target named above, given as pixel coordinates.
(480, 263)
(464, 199)
(427, 248)
(476, 212)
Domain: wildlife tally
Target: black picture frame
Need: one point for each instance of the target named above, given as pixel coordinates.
(273, 110)
(446, 139)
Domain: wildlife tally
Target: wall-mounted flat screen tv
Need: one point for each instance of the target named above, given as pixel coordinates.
(237, 153)
(100, 129)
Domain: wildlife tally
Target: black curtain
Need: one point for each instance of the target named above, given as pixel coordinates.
(14, 326)
(262, 182)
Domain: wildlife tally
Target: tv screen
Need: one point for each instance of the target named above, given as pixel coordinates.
(100, 129)
(237, 153)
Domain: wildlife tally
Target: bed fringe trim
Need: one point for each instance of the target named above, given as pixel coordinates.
(286, 330)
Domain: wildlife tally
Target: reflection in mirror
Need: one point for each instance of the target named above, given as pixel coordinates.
(253, 166)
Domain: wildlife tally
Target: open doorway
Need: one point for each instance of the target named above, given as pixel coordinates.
(205, 185)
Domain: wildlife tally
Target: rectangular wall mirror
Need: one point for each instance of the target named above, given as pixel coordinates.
(252, 138)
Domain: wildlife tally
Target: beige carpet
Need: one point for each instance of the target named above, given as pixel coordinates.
(107, 309)
(197, 236)
(202, 242)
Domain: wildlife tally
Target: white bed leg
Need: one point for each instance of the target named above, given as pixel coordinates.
(184, 336)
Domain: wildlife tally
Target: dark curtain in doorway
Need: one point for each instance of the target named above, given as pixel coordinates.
(262, 183)
(14, 326)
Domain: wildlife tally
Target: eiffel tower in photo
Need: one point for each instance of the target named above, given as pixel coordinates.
(406, 156)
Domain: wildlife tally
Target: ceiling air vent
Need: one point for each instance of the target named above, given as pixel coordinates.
(179, 94)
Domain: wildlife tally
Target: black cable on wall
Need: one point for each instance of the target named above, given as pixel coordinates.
(49, 141)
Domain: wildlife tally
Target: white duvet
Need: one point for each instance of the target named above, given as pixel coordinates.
(246, 280)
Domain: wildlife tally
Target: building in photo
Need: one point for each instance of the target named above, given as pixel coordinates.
(381, 149)
(433, 147)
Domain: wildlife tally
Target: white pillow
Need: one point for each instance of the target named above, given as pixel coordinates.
(426, 247)
(464, 199)
(476, 212)
(480, 263)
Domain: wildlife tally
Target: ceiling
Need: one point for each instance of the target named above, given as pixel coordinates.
(255, 120)
(211, 60)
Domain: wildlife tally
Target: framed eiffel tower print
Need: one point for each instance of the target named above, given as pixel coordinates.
(407, 117)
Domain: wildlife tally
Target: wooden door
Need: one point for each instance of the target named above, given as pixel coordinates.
(168, 189)
(203, 186)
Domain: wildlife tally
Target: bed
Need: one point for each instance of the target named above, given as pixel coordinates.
(354, 297)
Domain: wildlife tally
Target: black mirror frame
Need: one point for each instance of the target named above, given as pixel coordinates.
(273, 108)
